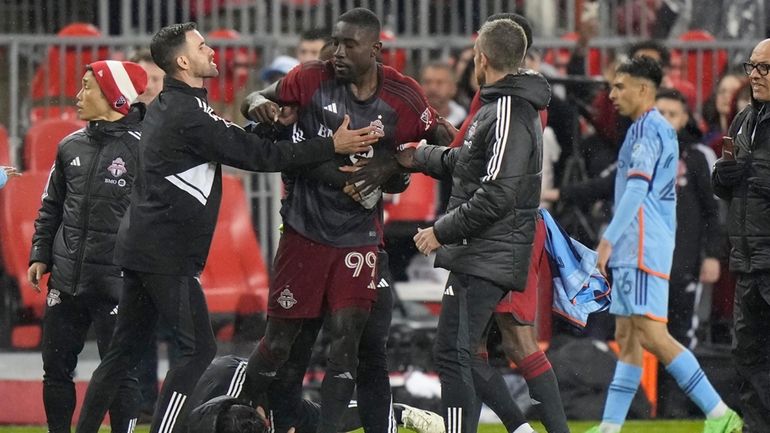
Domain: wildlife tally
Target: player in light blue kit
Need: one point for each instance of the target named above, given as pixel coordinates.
(639, 246)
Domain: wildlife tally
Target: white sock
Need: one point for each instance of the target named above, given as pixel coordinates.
(718, 411)
(608, 427)
(524, 428)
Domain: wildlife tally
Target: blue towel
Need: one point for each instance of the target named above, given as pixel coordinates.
(579, 289)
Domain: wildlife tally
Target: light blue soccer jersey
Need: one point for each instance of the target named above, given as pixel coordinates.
(650, 152)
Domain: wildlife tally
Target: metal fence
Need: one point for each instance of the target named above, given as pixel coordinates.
(42, 73)
(286, 18)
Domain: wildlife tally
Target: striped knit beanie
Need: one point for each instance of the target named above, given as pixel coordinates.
(121, 82)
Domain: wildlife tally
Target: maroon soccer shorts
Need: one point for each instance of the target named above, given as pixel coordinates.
(311, 278)
(523, 305)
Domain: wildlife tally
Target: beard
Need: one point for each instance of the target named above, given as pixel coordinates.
(206, 70)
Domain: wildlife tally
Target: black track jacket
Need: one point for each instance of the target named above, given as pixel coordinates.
(168, 227)
(86, 196)
(490, 221)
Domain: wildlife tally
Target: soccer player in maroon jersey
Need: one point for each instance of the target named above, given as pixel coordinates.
(326, 260)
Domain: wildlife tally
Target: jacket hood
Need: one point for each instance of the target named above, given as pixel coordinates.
(203, 419)
(129, 122)
(527, 84)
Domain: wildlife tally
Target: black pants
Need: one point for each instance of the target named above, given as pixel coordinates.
(147, 370)
(682, 317)
(180, 302)
(466, 310)
(65, 326)
(751, 348)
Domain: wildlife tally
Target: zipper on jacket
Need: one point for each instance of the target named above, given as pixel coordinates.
(745, 193)
(84, 229)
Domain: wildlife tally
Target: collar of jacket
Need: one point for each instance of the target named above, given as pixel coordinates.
(756, 107)
(129, 122)
(526, 84)
(172, 84)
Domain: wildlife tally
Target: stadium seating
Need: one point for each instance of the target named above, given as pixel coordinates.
(235, 277)
(234, 63)
(560, 57)
(18, 210)
(711, 62)
(393, 57)
(5, 148)
(417, 203)
(42, 140)
(57, 80)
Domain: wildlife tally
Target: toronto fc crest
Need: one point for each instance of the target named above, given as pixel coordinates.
(286, 299)
(53, 298)
(117, 168)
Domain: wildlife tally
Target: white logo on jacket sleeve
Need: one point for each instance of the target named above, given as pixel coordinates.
(196, 181)
(210, 111)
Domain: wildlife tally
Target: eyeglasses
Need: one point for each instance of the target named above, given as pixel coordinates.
(762, 68)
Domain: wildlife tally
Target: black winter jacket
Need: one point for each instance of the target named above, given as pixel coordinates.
(490, 221)
(87, 194)
(748, 215)
(203, 418)
(169, 225)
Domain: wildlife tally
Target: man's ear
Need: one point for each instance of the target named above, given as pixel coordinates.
(483, 60)
(183, 62)
(376, 49)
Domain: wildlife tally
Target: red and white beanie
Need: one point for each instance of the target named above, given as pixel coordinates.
(121, 82)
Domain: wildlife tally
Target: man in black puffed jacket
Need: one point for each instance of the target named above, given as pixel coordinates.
(87, 194)
(165, 236)
(485, 239)
(744, 182)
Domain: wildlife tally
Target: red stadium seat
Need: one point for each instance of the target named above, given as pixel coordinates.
(42, 140)
(417, 203)
(393, 57)
(38, 114)
(58, 78)
(18, 211)
(235, 277)
(5, 148)
(560, 57)
(712, 62)
(234, 64)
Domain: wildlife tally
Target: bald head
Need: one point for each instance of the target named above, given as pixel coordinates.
(759, 65)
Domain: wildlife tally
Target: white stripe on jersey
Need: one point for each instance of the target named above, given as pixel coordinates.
(196, 181)
(501, 138)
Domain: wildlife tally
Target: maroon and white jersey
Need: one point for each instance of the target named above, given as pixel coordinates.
(399, 108)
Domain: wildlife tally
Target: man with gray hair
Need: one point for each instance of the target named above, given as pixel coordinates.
(485, 238)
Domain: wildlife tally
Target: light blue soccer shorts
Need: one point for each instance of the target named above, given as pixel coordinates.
(635, 292)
